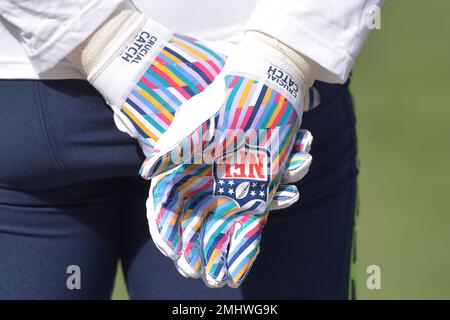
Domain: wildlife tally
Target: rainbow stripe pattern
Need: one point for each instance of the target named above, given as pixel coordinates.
(183, 68)
(214, 236)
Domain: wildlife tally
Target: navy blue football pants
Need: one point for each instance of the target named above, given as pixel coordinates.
(70, 195)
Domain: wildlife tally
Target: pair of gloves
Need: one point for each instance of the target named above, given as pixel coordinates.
(220, 127)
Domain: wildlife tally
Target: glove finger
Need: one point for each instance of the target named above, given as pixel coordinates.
(299, 160)
(297, 167)
(189, 264)
(163, 224)
(196, 211)
(216, 237)
(244, 247)
(303, 141)
(285, 196)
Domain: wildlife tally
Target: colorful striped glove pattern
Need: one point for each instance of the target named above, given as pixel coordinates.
(208, 215)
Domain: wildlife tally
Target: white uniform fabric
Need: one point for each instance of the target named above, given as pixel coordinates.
(35, 36)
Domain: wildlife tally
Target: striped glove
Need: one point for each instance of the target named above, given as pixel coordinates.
(222, 165)
(145, 72)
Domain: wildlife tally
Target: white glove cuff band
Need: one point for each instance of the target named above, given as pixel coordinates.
(118, 74)
(260, 41)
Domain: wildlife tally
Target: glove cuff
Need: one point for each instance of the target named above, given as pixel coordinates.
(109, 37)
(306, 67)
(119, 52)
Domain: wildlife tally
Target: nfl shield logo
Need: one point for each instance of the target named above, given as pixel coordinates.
(243, 175)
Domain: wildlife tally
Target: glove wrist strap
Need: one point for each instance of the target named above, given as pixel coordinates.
(109, 37)
(306, 67)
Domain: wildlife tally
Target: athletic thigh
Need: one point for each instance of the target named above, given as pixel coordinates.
(59, 244)
(60, 168)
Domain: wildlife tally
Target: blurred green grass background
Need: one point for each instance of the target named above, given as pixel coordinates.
(401, 90)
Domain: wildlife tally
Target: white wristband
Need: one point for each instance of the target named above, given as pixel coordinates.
(306, 67)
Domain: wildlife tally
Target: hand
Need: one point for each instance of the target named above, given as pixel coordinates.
(178, 221)
(145, 72)
(297, 167)
(209, 217)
